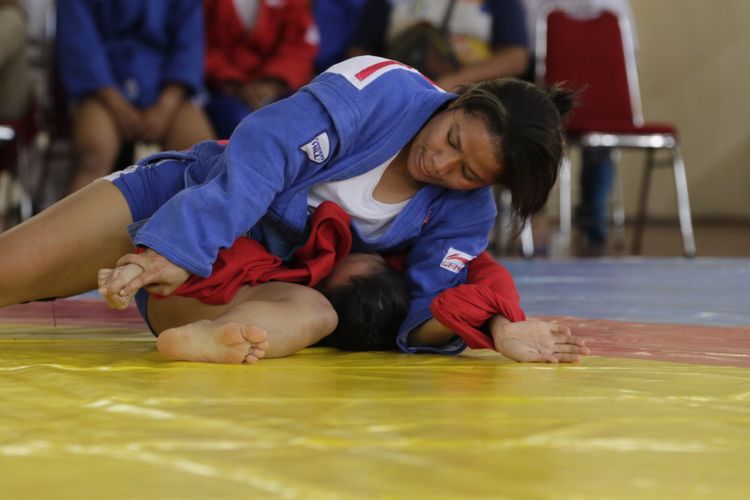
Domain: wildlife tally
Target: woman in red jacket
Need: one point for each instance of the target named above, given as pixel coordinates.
(256, 52)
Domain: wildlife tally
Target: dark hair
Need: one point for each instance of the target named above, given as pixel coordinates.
(527, 121)
(370, 308)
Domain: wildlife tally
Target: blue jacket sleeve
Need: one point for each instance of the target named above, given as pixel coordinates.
(263, 158)
(438, 259)
(184, 60)
(83, 63)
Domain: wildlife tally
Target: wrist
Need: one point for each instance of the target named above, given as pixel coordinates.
(110, 97)
(497, 326)
(170, 97)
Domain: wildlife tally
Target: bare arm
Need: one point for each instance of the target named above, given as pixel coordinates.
(510, 60)
(523, 341)
(158, 117)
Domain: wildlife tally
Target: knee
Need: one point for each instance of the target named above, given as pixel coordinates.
(325, 315)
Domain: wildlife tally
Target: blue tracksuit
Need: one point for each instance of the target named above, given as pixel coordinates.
(349, 120)
(137, 46)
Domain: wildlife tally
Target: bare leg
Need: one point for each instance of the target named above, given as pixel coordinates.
(96, 142)
(59, 252)
(291, 316)
(190, 125)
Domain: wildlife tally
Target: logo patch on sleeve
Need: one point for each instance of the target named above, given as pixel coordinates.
(318, 149)
(455, 260)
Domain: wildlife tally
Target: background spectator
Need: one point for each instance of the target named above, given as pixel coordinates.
(337, 22)
(257, 51)
(14, 86)
(130, 69)
(488, 38)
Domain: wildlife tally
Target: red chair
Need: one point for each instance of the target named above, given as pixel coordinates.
(596, 53)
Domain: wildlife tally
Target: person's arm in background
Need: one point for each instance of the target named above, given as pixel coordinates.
(83, 65)
(183, 67)
(510, 43)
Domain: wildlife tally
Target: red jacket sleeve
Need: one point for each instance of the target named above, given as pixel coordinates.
(490, 290)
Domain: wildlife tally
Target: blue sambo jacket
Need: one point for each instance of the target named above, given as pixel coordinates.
(349, 120)
(137, 46)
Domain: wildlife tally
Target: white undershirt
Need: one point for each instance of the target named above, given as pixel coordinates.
(247, 11)
(370, 216)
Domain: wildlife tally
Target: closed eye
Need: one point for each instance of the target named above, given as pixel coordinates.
(454, 140)
(469, 175)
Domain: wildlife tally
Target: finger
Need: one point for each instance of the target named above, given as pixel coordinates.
(117, 302)
(560, 329)
(131, 287)
(117, 281)
(102, 277)
(571, 348)
(110, 285)
(568, 358)
(561, 338)
(132, 258)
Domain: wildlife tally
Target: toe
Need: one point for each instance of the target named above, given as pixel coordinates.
(254, 334)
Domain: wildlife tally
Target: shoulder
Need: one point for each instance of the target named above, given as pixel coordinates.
(381, 95)
(364, 72)
(467, 208)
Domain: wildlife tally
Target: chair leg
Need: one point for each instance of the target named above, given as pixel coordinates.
(504, 222)
(618, 206)
(683, 203)
(527, 239)
(566, 211)
(640, 220)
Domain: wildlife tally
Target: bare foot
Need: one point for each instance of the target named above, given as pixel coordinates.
(212, 342)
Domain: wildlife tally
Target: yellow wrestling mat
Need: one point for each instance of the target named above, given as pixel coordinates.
(97, 413)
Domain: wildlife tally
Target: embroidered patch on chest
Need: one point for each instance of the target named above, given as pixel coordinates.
(318, 149)
(455, 260)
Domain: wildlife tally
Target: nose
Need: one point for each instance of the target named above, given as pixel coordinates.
(446, 162)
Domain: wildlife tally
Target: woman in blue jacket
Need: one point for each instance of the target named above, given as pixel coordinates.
(131, 70)
(421, 159)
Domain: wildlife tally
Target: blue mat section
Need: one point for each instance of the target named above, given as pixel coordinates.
(700, 291)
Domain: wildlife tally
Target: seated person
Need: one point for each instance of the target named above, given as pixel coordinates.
(256, 53)
(337, 22)
(473, 40)
(14, 86)
(130, 70)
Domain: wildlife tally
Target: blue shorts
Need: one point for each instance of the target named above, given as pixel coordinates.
(141, 302)
(146, 186)
(150, 183)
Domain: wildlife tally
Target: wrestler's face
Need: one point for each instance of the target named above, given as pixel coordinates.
(454, 150)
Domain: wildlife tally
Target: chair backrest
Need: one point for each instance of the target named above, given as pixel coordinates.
(595, 53)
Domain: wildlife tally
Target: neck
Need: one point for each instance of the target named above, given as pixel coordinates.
(397, 184)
